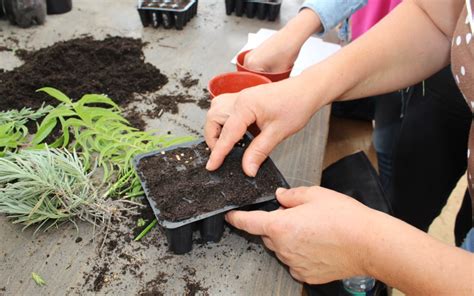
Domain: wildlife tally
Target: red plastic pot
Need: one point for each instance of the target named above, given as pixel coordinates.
(234, 82)
(274, 76)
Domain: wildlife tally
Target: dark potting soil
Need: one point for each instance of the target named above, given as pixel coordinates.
(167, 103)
(114, 66)
(188, 81)
(182, 187)
(205, 101)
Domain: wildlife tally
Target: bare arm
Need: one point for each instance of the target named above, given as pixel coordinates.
(407, 258)
(407, 46)
(279, 52)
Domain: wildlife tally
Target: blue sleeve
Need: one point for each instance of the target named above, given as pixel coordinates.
(332, 12)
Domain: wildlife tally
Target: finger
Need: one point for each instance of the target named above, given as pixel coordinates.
(268, 243)
(258, 150)
(232, 131)
(212, 130)
(251, 63)
(253, 222)
(216, 117)
(296, 275)
(293, 197)
(281, 258)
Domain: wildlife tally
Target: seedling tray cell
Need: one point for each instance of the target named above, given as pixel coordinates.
(185, 197)
(263, 9)
(166, 13)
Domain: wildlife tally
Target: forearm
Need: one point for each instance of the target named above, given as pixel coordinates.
(413, 262)
(404, 48)
(300, 28)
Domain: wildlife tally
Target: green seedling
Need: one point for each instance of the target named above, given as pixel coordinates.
(38, 279)
(13, 130)
(146, 230)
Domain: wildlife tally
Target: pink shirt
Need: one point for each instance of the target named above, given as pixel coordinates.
(369, 15)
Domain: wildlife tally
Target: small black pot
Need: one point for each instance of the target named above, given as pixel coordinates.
(58, 6)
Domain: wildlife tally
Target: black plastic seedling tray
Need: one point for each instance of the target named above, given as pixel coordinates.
(168, 13)
(210, 224)
(269, 9)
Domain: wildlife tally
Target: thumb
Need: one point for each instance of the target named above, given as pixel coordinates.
(258, 150)
(290, 198)
(253, 222)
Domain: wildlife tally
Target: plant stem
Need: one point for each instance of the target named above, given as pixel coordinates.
(146, 230)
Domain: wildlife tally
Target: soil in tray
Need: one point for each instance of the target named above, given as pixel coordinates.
(182, 187)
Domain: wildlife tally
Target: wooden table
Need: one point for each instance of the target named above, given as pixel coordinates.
(235, 266)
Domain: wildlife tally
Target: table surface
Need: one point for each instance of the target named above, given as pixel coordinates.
(239, 264)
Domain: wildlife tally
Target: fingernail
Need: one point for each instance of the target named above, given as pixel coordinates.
(208, 164)
(253, 168)
(280, 190)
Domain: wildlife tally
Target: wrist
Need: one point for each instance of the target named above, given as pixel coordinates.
(318, 86)
(301, 27)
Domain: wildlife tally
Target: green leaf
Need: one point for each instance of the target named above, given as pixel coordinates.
(61, 111)
(46, 127)
(38, 279)
(83, 114)
(97, 99)
(65, 132)
(56, 94)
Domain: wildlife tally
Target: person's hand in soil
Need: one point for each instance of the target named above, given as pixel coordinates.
(279, 52)
(323, 236)
(279, 110)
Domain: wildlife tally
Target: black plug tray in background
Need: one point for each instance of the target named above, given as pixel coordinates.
(169, 13)
(269, 9)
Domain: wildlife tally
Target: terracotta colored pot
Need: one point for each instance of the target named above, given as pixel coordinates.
(275, 76)
(234, 82)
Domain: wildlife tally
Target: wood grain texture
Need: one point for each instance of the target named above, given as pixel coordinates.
(239, 264)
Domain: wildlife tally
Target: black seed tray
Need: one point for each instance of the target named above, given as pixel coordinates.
(58, 6)
(168, 13)
(211, 224)
(263, 9)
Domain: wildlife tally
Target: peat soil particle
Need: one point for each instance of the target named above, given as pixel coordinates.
(114, 66)
(188, 81)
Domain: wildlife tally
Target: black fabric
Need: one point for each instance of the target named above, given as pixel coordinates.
(355, 176)
(362, 109)
(463, 220)
(431, 154)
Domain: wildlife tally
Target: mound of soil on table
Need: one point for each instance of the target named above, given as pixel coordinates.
(114, 66)
(179, 183)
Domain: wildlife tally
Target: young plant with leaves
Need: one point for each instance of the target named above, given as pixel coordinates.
(52, 185)
(13, 130)
(101, 134)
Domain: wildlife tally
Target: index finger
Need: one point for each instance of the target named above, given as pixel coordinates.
(253, 222)
(232, 131)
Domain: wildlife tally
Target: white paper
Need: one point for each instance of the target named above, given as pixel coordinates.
(313, 51)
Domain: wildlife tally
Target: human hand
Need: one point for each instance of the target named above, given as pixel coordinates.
(274, 55)
(279, 110)
(318, 233)
(279, 52)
